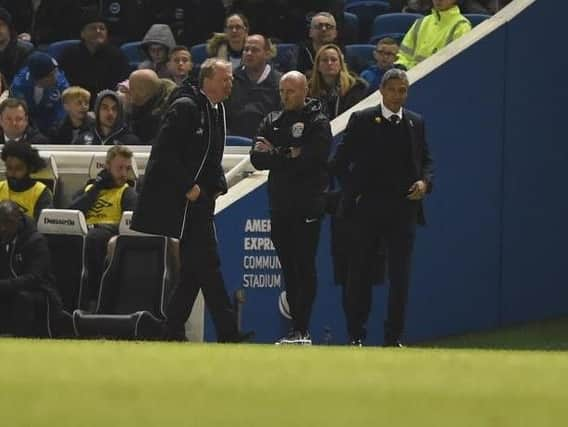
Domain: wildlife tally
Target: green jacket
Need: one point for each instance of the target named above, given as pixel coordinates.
(430, 34)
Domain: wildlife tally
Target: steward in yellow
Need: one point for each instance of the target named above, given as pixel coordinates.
(103, 200)
(31, 196)
(431, 33)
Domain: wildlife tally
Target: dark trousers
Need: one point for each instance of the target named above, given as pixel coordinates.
(96, 250)
(296, 241)
(395, 225)
(24, 314)
(200, 269)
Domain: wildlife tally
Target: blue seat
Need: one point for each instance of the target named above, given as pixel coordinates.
(286, 56)
(366, 11)
(55, 49)
(476, 18)
(134, 54)
(199, 53)
(359, 56)
(238, 141)
(393, 25)
(350, 28)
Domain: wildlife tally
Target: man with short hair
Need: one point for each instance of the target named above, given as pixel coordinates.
(148, 96)
(180, 64)
(184, 177)
(431, 33)
(110, 125)
(15, 124)
(385, 54)
(103, 200)
(386, 170)
(294, 144)
(94, 63)
(323, 30)
(26, 281)
(41, 84)
(255, 88)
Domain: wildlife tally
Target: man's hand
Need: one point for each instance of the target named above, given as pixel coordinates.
(263, 145)
(193, 194)
(25, 37)
(417, 190)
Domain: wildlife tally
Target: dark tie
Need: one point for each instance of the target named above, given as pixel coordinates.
(394, 119)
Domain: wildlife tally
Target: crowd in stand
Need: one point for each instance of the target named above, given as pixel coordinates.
(90, 95)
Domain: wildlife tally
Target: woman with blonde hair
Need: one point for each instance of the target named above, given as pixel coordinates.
(333, 84)
(230, 44)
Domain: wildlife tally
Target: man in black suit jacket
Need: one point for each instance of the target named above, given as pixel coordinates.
(386, 170)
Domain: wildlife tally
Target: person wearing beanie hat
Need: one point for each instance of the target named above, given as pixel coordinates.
(13, 52)
(94, 63)
(40, 83)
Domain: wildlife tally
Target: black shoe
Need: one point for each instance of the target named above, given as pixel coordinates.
(357, 342)
(240, 337)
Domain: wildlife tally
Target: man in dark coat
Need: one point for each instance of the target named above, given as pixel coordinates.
(293, 144)
(255, 88)
(26, 283)
(94, 64)
(183, 178)
(13, 52)
(46, 22)
(386, 170)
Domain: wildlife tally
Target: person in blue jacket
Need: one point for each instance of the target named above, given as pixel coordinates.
(41, 83)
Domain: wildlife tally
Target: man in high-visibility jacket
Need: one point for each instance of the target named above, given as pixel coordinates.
(103, 200)
(431, 33)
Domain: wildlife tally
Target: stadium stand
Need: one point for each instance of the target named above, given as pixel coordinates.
(393, 25)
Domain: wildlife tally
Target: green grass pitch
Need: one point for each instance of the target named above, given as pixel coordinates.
(104, 383)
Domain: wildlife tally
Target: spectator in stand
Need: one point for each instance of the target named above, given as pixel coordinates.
(488, 7)
(4, 88)
(229, 45)
(25, 276)
(148, 96)
(110, 126)
(255, 88)
(157, 45)
(127, 20)
(323, 30)
(14, 121)
(76, 104)
(191, 21)
(44, 21)
(180, 65)
(41, 84)
(31, 196)
(385, 54)
(13, 52)
(431, 33)
(333, 84)
(411, 6)
(94, 64)
(285, 20)
(103, 200)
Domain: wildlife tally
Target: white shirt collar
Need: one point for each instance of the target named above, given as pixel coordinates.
(388, 113)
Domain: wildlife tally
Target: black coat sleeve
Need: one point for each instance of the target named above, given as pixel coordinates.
(129, 199)
(427, 162)
(84, 200)
(316, 151)
(45, 201)
(35, 269)
(266, 160)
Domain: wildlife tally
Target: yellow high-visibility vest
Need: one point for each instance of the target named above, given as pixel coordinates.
(26, 200)
(107, 208)
(430, 34)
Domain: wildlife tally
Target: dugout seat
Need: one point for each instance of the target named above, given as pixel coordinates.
(134, 288)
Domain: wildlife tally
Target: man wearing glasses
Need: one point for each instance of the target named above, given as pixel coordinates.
(385, 54)
(323, 30)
